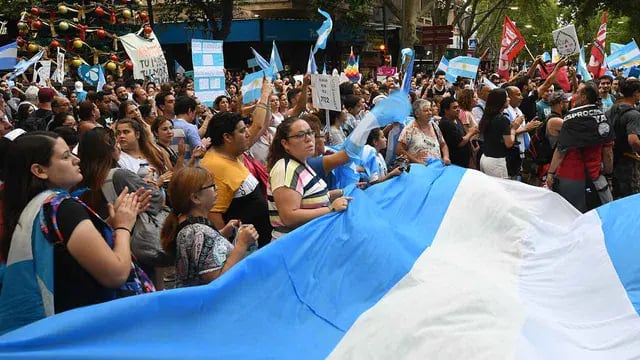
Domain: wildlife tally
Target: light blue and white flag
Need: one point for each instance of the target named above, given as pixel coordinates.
(546, 57)
(92, 75)
(528, 278)
(252, 85)
(262, 62)
(323, 31)
(8, 56)
(488, 83)
(275, 60)
(23, 65)
(582, 66)
(444, 66)
(614, 47)
(312, 68)
(464, 66)
(178, 68)
(627, 55)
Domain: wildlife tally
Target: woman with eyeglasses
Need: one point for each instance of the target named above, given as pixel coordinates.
(202, 253)
(296, 193)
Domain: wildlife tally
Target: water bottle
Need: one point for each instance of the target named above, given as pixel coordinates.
(143, 170)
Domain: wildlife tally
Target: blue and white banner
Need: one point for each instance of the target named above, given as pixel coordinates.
(444, 66)
(454, 265)
(626, 56)
(488, 83)
(8, 56)
(262, 62)
(464, 66)
(323, 31)
(208, 69)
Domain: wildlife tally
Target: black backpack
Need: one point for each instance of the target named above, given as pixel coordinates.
(540, 149)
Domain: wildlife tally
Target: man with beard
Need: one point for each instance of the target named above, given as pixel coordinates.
(584, 144)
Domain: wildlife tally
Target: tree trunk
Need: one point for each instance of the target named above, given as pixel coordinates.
(410, 20)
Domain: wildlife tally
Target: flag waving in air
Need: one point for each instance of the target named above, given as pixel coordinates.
(275, 61)
(597, 50)
(512, 43)
(323, 31)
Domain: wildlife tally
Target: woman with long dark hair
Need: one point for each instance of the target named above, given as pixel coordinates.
(499, 134)
(139, 153)
(296, 194)
(77, 259)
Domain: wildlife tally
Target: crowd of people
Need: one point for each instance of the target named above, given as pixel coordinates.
(121, 191)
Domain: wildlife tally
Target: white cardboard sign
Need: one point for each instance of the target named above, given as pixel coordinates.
(326, 92)
(566, 41)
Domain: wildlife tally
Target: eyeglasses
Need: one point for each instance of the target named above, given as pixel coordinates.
(209, 187)
(302, 134)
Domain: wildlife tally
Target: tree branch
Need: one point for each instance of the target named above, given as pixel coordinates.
(392, 8)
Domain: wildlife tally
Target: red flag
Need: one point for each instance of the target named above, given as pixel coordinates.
(512, 43)
(597, 50)
(562, 76)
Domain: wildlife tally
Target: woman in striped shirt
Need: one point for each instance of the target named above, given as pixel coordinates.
(296, 194)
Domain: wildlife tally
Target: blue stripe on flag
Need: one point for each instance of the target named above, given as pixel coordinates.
(622, 246)
(8, 56)
(264, 64)
(275, 60)
(295, 298)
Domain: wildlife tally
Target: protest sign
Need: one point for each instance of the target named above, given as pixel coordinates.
(147, 57)
(326, 92)
(566, 41)
(208, 69)
(43, 73)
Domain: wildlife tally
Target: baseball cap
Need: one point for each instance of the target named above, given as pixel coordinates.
(46, 95)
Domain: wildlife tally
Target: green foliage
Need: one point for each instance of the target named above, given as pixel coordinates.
(214, 17)
(352, 14)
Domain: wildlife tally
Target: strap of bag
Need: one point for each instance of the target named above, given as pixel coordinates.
(108, 189)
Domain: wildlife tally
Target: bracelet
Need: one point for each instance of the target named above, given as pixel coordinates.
(123, 228)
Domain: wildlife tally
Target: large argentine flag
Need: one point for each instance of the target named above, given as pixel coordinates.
(439, 263)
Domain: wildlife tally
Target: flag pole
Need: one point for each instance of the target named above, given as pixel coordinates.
(529, 51)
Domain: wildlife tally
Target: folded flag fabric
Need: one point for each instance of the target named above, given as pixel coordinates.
(252, 86)
(23, 65)
(178, 68)
(312, 68)
(464, 66)
(488, 83)
(626, 56)
(526, 277)
(323, 31)
(8, 56)
(275, 60)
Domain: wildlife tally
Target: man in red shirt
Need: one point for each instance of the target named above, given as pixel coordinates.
(584, 145)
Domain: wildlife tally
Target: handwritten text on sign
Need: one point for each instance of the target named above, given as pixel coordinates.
(326, 92)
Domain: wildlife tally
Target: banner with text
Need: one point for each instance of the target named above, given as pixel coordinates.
(326, 94)
(208, 69)
(147, 57)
